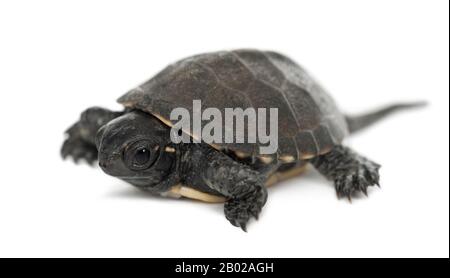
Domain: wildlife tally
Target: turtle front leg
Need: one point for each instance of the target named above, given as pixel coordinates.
(80, 142)
(350, 172)
(242, 186)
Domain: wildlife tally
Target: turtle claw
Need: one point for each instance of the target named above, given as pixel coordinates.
(364, 190)
(243, 226)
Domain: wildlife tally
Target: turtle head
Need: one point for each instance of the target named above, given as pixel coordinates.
(132, 148)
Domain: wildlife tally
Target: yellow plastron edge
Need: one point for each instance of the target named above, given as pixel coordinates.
(180, 190)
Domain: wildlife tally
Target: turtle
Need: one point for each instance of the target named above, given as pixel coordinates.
(136, 145)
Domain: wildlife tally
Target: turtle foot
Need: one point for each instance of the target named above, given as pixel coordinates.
(240, 210)
(78, 149)
(351, 172)
(357, 179)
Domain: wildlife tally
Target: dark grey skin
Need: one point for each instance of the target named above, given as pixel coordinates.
(133, 144)
(130, 146)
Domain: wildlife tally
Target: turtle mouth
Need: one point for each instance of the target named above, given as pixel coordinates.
(126, 178)
(141, 182)
(108, 161)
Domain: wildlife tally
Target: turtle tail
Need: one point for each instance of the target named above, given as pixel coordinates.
(356, 123)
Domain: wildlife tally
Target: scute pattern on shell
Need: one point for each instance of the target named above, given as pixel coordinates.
(309, 121)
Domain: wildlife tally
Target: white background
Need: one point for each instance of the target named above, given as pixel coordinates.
(59, 57)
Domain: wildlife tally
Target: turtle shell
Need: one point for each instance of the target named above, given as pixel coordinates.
(309, 122)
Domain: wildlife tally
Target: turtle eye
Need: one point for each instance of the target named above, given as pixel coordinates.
(140, 155)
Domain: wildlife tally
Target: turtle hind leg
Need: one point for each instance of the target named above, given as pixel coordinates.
(350, 172)
(80, 141)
